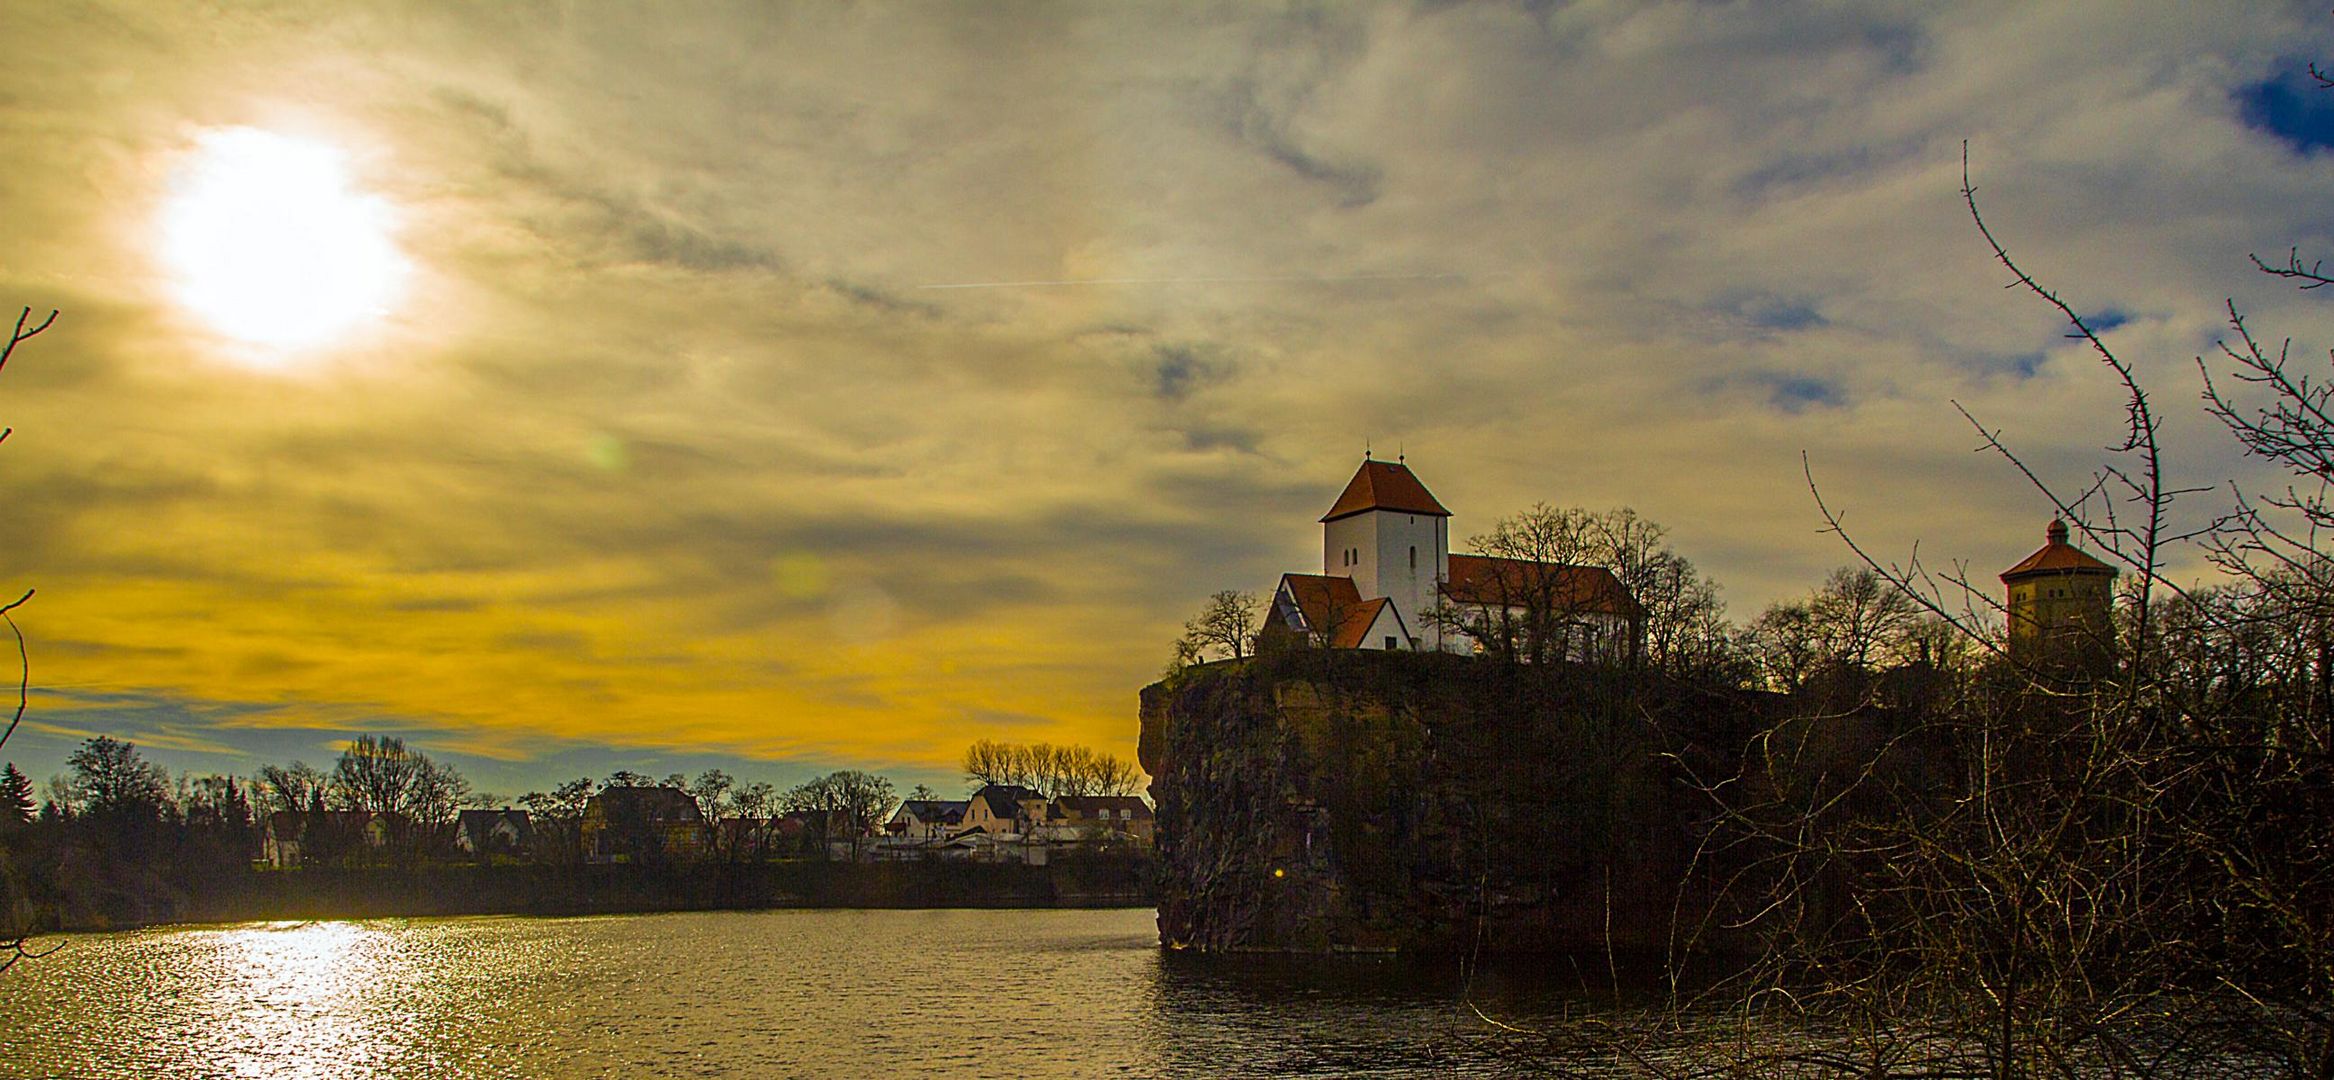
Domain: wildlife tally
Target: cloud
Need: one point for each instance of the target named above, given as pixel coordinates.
(669, 454)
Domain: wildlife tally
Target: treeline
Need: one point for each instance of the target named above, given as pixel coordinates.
(118, 841)
(1050, 771)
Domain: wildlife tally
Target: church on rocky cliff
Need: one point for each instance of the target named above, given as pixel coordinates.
(1389, 580)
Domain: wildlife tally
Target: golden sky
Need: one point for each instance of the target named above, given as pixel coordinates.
(673, 444)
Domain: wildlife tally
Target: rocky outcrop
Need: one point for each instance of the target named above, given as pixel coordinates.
(1318, 801)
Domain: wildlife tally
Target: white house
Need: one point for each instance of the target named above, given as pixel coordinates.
(1388, 579)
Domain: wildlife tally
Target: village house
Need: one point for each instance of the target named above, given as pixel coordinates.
(926, 819)
(1000, 809)
(638, 822)
(1011, 823)
(1094, 817)
(290, 837)
(1389, 581)
(493, 832)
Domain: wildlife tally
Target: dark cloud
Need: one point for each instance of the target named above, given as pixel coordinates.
(2106, 319)
(1181, 368)
(1775, 312)
(1794, 393)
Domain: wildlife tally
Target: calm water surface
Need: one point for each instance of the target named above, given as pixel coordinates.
(753, 994)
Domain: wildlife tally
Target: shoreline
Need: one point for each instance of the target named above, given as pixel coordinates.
(452, 890)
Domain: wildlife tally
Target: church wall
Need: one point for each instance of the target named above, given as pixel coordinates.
(1413, 583)
(1375, 550)
(1386, 625)
(1355, 534)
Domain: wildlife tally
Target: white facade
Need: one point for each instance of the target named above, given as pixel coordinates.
(1404, 557)
(1388, 631)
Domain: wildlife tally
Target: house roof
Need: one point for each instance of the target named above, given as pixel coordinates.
(1004, 800)
(1321, 599)
(1486, 579)
(949, 811)
(487, 819)
(1089, 804)
(2056, 556)
(1384, 485)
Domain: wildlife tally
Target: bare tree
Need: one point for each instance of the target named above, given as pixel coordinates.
(296, 788)
(556, 819)
(849, 802)
(25, 331)
(1862, 620)
(416, 798)
(1523, 609)
(1226, 626)
(1051, 771)
(1569, 583)
(1683, 628)
(757, 807)
(1081, 770)
(738, 815)
(1783, 646)
(2025, 876)
(987, 761)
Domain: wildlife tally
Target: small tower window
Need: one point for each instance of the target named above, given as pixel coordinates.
(1414, 556)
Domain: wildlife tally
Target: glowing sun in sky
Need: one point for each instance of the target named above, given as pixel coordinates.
(271, 244)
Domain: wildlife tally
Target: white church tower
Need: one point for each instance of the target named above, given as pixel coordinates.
(1388, 534)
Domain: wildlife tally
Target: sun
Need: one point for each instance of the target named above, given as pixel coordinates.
(269, 242)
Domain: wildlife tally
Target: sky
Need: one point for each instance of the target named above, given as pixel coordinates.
(796, 387)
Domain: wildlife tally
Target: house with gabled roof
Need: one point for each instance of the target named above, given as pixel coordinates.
(486, 832)
(1389, 580)
(1088, 817)
(997, 809)
(289, 838)
(926, 819)
(635, 822)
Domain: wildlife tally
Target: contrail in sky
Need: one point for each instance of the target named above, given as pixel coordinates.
(1304, 278)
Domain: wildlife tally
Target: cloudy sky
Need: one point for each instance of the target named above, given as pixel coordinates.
(800, 387)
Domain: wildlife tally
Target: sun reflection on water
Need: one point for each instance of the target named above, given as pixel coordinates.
(303, 1000)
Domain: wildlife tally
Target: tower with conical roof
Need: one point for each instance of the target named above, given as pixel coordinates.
(1388, 534)
(2059, 602)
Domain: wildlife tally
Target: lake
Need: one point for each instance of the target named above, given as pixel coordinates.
(949, 993)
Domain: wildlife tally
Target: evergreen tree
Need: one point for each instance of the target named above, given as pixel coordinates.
(16, 802)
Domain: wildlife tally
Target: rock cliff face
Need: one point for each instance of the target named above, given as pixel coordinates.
(1320, 801)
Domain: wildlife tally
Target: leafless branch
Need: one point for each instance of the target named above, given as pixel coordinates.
(15, 949)
(23, 665)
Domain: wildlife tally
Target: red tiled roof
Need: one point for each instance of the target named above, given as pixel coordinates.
(1319, 596)
(2056, 556)
(1384, 485)
(1485, 579)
